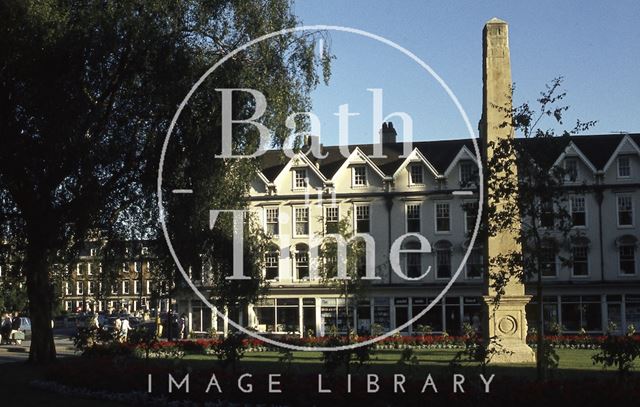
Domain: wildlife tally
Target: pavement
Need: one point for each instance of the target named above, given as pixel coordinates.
(17, 353)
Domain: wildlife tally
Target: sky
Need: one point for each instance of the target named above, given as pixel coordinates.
(595, 46)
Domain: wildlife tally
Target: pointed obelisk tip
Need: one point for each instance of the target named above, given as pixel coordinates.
(496, 20)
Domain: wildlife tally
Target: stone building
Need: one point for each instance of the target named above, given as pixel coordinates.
(428, 192)
(85, 288)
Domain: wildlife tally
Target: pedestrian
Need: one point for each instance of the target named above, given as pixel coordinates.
(124, 329)
(94, 321)
(117, 328)
(182, 326)
(5, 328)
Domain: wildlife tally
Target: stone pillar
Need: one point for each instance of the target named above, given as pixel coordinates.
(507, 321)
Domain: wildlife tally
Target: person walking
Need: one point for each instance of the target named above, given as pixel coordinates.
(182, 326)
(117, 329)
(124, 329)
(5, 328)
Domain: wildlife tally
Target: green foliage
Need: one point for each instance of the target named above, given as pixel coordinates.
(424, 330)
(86, 338)
(91, 88)
(618, 351)
(522, 176)
(376, 329)
(230, 351)
(13, 297)
(550, 358)
(345, 358)
(407, 356)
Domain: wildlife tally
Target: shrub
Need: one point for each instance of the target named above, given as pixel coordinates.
(230, 350)
(618, 351)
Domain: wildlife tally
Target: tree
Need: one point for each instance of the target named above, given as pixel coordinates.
(86, 96)
(533, 206)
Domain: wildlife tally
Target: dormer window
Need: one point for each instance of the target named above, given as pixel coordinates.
(415, 175)
(467, 173)
(359, 176)
(299, 178)
(571, 167)
(624, 167)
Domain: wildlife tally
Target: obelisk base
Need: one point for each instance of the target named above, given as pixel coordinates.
(506, 330)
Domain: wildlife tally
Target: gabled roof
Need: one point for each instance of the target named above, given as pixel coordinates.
(597, 150)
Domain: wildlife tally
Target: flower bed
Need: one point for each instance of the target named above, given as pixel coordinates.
(176, 349)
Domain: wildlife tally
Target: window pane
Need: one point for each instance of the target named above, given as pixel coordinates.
(442, 217)
(413, 218)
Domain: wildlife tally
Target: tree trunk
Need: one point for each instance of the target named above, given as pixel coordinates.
(40, 293)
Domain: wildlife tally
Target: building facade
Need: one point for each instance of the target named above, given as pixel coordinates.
(85, 287)
(427, 188)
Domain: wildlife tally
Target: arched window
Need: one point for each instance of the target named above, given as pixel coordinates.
(443, 259)
(271, 260)
(302, 261)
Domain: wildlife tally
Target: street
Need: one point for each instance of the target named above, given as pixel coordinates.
(17, 353)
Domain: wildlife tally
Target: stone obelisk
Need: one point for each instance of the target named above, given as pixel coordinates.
(505, 322)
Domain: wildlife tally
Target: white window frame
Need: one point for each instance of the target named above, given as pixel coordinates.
(635, 262)
(586, 212)
(588, 264)
(126, 289)
(148, 284)
(464, 163)
(136, 286)
(93, 252)
(295, 220)
(295, 264)
(435, 217)
(326, 215)
(125, 267)
(555, 265)
(353, 176)
(628, 160)
(305, 178)
(89, 288)
(467, 227)
(267, 218)
(618, 197)
(79, 288)
(355, 217)
(466, 265)
(406, 217)
(566, 167)
(67, 291)
(435, 259)
(114, 289)
(420, 167)
(277, 264)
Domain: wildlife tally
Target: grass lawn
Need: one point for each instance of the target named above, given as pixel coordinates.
(573, 363)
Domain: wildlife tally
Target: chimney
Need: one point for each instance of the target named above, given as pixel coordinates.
(388, 133)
